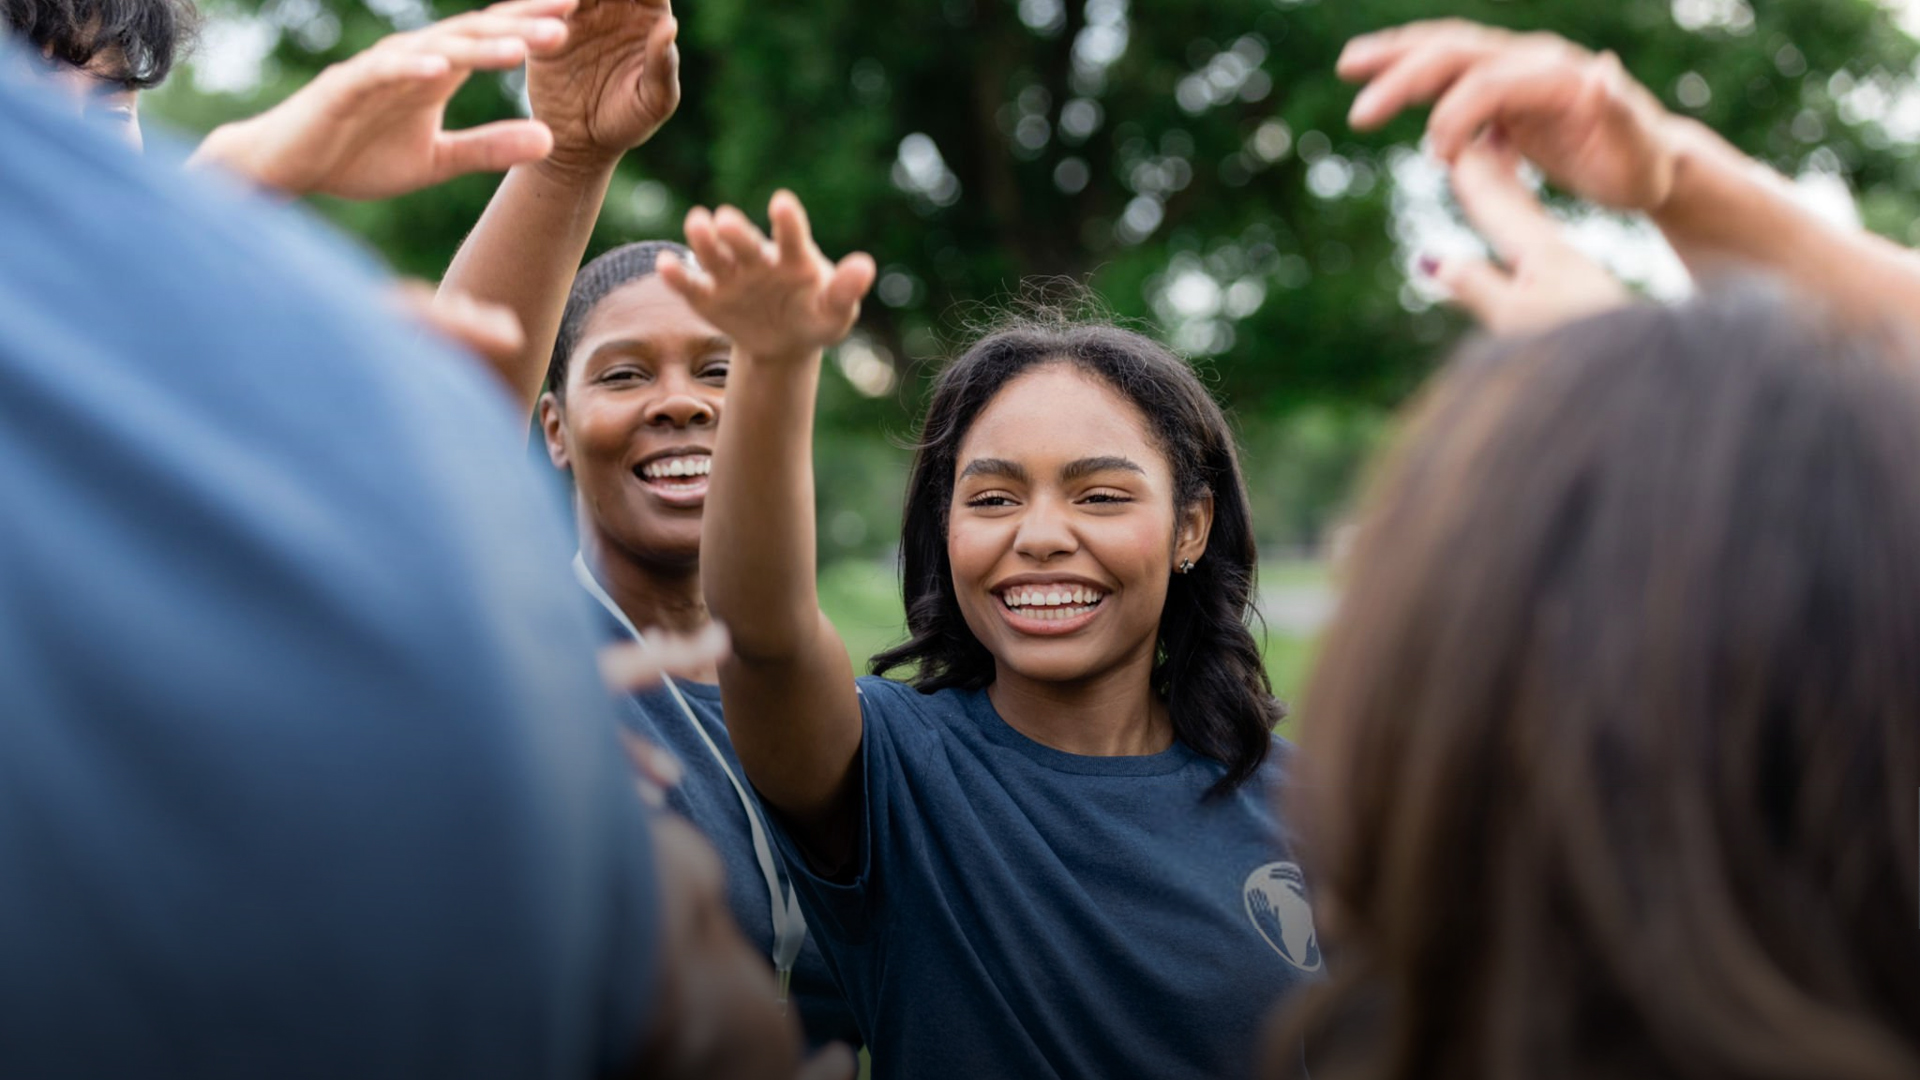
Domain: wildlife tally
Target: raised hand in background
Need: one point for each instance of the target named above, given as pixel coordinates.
(606, 90)
(1541, 280)
(373, 126)
(778, 299)
(1576, 114)
(611, 85)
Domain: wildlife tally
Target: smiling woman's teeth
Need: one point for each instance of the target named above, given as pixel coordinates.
(674, 468)
(1052, 602)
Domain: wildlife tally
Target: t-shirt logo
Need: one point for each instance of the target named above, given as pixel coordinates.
(1277, 903)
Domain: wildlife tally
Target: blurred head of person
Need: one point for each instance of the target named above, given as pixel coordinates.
(1615, 742)
(632, 404)
(1076, 508)
(105, 52)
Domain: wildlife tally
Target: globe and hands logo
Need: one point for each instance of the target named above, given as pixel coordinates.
(1276, 896)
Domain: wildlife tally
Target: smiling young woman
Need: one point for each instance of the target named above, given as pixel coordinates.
(1056, 853)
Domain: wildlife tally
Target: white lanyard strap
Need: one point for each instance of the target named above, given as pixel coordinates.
(789, 926)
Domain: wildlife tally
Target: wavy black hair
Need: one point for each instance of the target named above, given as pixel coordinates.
(621, 266)
(1208, 668)
(142, 37)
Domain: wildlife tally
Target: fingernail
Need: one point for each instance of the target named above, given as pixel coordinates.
(1428, 265)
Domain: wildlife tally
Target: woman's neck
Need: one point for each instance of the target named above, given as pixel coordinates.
(653, 596)
(1112, 714)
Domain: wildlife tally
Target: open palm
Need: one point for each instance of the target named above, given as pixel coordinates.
(612, 85)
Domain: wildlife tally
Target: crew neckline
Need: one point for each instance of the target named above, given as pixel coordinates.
(995, 728)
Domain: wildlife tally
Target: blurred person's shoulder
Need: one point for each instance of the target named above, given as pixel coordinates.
(285, 625)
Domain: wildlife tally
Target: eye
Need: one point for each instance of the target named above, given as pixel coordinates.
(716, 372)
(623, 375)
(990, 499)
(1106, 498)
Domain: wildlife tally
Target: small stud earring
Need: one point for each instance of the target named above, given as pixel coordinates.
(1186, 566)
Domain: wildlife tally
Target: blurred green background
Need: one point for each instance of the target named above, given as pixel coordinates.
(1186, 159)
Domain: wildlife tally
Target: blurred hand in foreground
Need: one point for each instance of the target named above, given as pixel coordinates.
(610, 86)
(778, 299)
(372, 126)
(1542, 280)
(1577, 115)
(632, 666)
(491, 331)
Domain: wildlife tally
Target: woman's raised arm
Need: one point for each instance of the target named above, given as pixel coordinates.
(788, 688)
(1595, 131)
(613, 83)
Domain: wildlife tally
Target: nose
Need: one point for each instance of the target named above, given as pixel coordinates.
(1045, 532)
(679, 406)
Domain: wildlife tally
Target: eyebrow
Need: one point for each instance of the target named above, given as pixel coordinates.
(1000, 467)
(1085, 467)
(647, 349)
(1073, 470)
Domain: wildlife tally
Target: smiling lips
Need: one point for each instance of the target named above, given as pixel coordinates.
(679, 479)
(1063, 605)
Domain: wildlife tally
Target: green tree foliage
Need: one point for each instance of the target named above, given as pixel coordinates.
(971, 144)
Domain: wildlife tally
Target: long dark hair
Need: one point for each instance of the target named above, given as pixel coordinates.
(1615, 740)
(1208, 668)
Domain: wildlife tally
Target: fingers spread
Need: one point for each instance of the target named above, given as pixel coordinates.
(741, 238)
(693, 285)
(705, 242)
(791, 229)
(493, 147)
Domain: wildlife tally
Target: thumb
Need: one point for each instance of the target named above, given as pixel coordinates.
(662, 73)
(1486, 291)
(851, 279)
(493, 147)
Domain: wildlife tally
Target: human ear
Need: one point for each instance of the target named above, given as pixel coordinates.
(1191, 531)
(552, 426)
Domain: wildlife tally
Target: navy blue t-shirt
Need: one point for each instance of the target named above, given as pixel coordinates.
(706, 797)
(1017, 911)
(305, 770)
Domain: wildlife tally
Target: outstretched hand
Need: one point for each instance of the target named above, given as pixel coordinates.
(613, 83)
(1575, 114)
(372, 126)
(778, 299)
(1543, 280)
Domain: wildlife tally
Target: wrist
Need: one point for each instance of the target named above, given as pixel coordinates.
(238, 147)
(576, 168)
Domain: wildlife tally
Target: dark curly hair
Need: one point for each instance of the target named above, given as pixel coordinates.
(142, 38)
(623, 265)
(1208, 668)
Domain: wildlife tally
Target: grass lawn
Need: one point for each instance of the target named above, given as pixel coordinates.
(863, 599)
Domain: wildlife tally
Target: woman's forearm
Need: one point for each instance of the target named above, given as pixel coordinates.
(757, 547)
(523, 254)
(1728, 212)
